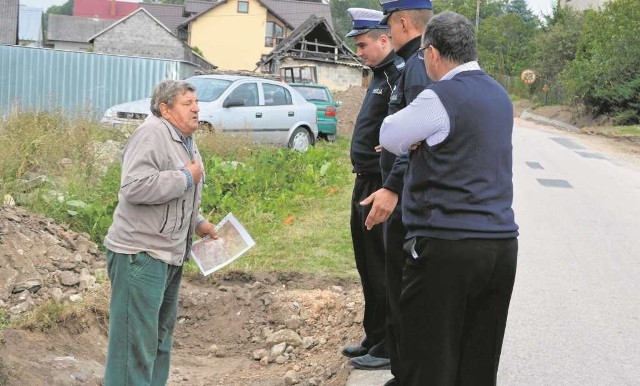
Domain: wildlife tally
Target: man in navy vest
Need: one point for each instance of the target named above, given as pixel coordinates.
(406, 20)
(373, 47)
(461, 234)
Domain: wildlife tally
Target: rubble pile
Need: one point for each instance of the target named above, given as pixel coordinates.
(42, 261)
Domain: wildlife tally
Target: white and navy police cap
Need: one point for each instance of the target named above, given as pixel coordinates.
(364, 20)
(390, 6)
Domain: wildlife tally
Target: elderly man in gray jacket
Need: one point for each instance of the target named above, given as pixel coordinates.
(150, 238)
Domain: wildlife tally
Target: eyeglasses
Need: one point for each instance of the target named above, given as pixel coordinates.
(420, 52)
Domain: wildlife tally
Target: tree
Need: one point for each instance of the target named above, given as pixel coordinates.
(468, 8)
(605, 75)
(520, 8)
(556, 46)
(504, 44)
(64, 9)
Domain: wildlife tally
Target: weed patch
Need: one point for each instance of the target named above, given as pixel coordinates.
(296, 205)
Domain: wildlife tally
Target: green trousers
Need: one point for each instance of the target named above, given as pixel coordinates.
(143, 311)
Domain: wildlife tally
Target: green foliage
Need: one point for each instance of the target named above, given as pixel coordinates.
(51, 164)
(468, 8)
(295, 205)
(556, 47)
(605, 73)
(265, 187)
(64, 9)
(286, 199)
(520, 8)
(52, 314)
(504, 44)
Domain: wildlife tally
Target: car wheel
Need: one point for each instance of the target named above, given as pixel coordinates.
(300, 139)
(330, 137)
(205, 127)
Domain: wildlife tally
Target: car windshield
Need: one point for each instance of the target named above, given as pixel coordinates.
(313, 93)
(209, 89)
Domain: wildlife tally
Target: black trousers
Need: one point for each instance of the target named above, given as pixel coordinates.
(454, 304)
(394, 239)
(368, 248)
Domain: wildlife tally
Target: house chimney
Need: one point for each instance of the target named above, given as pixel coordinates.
(113, 8)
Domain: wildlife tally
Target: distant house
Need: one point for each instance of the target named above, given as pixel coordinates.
(103, 9)
(141, 34)
(9, 22)
(582, 5)
(72, 32)
(30, 32)
(313, 52)
(255, 25)
(173, 15)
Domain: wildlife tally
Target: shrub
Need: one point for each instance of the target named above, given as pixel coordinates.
(605, 73)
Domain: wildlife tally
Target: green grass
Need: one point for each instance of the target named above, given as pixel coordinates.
(626, 131)
(295, 205)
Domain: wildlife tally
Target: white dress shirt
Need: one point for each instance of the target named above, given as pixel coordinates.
(425, 119)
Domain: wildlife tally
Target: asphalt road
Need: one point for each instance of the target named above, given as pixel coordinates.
(575, 312)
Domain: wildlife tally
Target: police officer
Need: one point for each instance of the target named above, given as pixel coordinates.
(374, 48)
(462, 246)
(406, 20)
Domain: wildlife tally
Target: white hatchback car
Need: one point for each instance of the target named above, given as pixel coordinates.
(267, 110)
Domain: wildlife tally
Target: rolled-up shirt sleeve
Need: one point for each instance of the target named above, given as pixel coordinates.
(425, 119)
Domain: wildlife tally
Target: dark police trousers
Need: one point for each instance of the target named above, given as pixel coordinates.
(368, 249)
(394, 239)
(454, 304)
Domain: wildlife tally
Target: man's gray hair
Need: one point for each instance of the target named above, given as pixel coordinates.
(453, 35)
(166, 92)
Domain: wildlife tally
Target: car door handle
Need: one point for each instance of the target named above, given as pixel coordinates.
(291, 113)
(258, 115)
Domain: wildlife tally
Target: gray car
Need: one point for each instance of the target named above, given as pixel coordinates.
(268, 111)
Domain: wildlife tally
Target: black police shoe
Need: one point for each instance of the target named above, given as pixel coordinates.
(369, 362)
(354, 350)
(392, 382)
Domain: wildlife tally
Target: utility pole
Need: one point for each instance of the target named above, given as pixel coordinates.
(477, 15)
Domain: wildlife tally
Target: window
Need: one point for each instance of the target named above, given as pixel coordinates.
(273, 34)
(311, 93)
(275, 95)
(247, 93)
(299, 74)
(243, 7)
(209, 89)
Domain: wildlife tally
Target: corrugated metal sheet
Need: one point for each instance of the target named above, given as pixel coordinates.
(79, 83)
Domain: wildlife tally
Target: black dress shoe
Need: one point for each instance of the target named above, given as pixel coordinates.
(354, 350)
(369, 362)
(392, 382)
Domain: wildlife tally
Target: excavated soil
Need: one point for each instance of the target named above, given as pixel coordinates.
(232, 329)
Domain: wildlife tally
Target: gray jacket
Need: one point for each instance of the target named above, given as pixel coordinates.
(156, 212)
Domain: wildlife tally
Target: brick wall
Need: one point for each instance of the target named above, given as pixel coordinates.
(139, 35)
